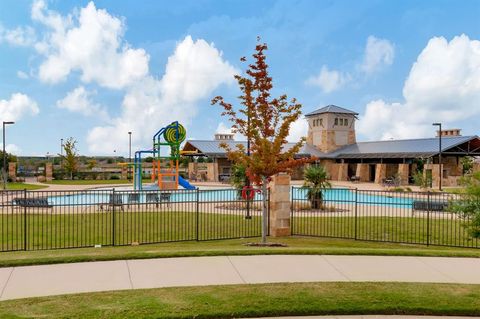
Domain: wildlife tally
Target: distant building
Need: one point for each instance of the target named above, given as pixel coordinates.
(331, 138)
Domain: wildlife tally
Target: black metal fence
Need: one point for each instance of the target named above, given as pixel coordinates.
(400, 217)
(72, 219)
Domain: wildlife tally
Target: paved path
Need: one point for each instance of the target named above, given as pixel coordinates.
(45, 280)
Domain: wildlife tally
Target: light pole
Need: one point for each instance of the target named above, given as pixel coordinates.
(129, 154)
(5, 157)
(61, 154)
(439, 154)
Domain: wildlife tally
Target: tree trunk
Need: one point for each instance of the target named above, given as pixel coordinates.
(264, 210)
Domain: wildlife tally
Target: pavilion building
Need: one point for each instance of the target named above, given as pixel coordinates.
(331, 139)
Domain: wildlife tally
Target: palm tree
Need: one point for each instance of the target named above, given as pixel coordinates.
(315, 177)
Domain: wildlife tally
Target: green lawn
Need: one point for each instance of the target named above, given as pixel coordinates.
(89, 181)
(440, 231)
(85, 227)
(238, 301)
(22, 186)
(66, 230)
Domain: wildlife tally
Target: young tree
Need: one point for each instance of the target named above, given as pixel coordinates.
(316, 181)
(468, 206)
(71, 156)
(238, 178)
(91, 163)
(467, 164)
(265, 121)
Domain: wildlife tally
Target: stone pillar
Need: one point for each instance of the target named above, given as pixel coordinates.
(12, 171)
(48, 172)
(124, 172)
(403, 173)
(343, 172)
(212, 172)
(435, 173)
(280, 205)
(362, 172)
(380, 173)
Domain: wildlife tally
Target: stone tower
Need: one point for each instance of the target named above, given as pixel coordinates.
(331, 127)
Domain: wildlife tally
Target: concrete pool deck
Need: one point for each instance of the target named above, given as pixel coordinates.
(57, 279)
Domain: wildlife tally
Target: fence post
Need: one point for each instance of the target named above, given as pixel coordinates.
(428, 218)
(292, 213)
(356, 212)
(113, 217)
(25, 220)
(197, 219)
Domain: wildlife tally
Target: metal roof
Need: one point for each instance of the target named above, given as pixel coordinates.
(331, 109)
(412, 148)
(424, 147)
(213, 148)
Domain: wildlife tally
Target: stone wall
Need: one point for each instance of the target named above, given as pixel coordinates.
(280, 205)
(207, 172)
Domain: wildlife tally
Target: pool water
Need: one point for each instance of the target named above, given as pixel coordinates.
(332, 195)
(337, 195)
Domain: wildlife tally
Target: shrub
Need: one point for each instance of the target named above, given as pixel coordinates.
(114, 177)
(467, 207)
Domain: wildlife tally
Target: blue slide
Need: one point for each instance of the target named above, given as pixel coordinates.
(185, 184)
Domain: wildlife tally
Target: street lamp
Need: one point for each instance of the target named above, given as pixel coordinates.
(5, 157)
(61, 154)
(439, 154)
(129, 154)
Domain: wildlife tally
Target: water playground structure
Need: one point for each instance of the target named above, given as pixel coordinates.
(166, 154)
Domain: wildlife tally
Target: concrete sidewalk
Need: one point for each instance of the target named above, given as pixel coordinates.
(46, 280)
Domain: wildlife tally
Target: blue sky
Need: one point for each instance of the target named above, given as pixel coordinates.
(96, 70)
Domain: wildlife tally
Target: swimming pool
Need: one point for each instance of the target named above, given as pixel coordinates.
(333, 195)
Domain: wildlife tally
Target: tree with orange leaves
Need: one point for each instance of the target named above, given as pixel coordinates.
(265, 121)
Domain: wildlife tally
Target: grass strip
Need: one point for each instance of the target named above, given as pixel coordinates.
(296, 246)
(260, 300)
(22, 186)
(88, 181)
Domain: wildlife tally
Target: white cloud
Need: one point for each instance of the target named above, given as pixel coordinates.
(17, 106)
(223, 129)
(193, 71)
(298, 129)
(22, 75)
(91, 42)
(378, 54)
(12, 149)
(329, 80)
(20, 36)
(443, 86)
(79, 101)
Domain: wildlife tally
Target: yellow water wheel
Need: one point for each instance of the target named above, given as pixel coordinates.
(171, 135)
